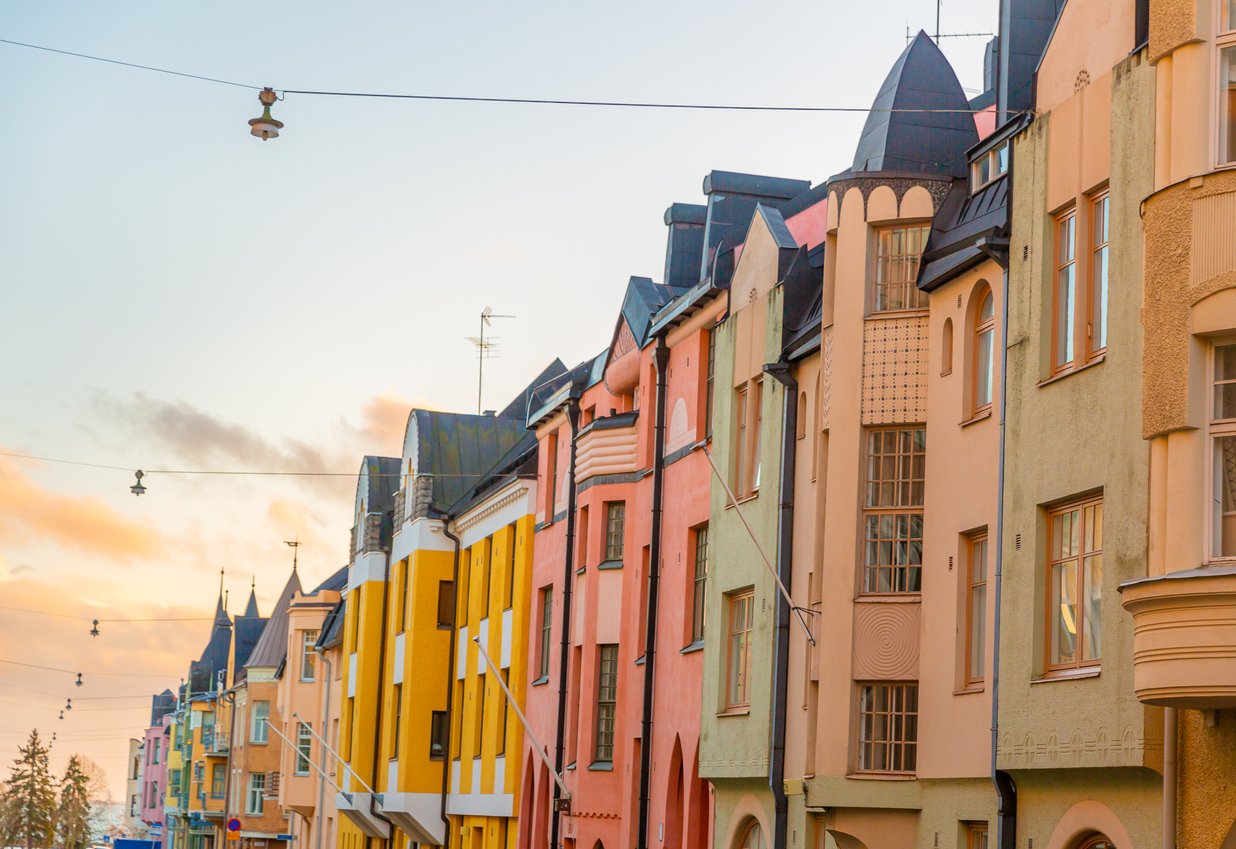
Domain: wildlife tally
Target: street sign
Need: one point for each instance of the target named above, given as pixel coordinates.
(233, 824)
(233, 835)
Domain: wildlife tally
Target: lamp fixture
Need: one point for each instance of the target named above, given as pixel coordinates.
(137, 488)
(94, 631)
(78, 682)
(264, 126)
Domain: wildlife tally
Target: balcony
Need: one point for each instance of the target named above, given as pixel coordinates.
(607, 447)
(216, 744)
(1184, 637)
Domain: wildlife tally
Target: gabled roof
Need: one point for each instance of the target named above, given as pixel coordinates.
(920, 141)
(334, 583)
(272, 646)
(553, 394)
(332, 626)
(958, 230)
(518, 408)
(803, 302)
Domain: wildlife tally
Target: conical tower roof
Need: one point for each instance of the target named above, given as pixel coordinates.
(251, 609)
(272, 646)
(921, 121)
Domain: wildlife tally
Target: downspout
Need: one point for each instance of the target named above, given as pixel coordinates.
(317, 829)
(780, 371)
(1170, 735)
(568, 575)
(377, 735)
(450, 679)
(230, 698)
(661, 358)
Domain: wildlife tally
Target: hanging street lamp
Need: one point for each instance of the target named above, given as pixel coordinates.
(265, 127)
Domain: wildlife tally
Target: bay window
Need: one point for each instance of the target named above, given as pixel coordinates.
(893, 510)
(898, 250)
(1075, 585)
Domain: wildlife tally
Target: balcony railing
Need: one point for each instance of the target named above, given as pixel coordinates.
(216, 743)
(272, 785)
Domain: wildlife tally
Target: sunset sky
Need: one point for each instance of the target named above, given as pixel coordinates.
(178, 294)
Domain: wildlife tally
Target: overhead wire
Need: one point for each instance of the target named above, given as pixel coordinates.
(110, 618)
(76, 672)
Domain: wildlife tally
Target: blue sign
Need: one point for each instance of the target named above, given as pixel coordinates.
(233, 824)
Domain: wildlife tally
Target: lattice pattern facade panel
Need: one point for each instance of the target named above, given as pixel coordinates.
(895, 370)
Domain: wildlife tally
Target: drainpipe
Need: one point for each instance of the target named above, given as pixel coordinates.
(450, 679)
(568, 576)
(661, 357)
(230, 698)
(1170, 733)
(377, 735)
(780, 372)
(317, 829)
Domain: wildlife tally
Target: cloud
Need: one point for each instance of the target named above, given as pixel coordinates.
(384, 419)
(29, 513)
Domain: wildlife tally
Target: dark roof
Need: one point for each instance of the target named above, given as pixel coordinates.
(332, 626)
(1026, 26)
(643, 300)
(803, 301)
(519, 461)
(518, 408)
(203, 672)
(553, 394)
(272, 647)
(334, 583)
(160, 706)
(686, 213)
(379, 480)
(456, 447)
(755, 185)
(731, 202)
(918, 142)
(684, 243)
(251, 609)
(957, 232)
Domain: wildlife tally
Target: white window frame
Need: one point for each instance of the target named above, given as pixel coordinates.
(992, 158)
(308, 658)
(256, 790)
(259, 732)
(304, 748)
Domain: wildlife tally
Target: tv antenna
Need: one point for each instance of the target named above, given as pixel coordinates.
(486, 349)
(939, 35)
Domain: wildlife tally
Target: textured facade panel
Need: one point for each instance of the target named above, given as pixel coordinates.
(826, 383)
(1214, 249)
(606, 452)
(886, 641)
(895, 370)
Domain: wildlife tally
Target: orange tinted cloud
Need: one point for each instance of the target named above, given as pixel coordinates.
(29, 513)
(384, 418)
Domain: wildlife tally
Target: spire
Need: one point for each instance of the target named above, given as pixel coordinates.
(221, 617)
(251, 609)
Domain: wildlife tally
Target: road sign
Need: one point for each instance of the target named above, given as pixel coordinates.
(233, 824)
(233, 835)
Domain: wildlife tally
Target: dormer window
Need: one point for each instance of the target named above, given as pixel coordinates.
(989, 166)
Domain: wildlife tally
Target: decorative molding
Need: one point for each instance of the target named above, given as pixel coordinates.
(886, 641)
(866, 184)
(1098, 749)
(894, 382)
(477, 515)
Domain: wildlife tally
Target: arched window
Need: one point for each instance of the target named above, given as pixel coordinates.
(1096, 841)
(752, 837)
(946, 348)
(984, 350)
(801, 424)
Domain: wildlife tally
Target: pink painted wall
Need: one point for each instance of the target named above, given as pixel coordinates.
(152, 814)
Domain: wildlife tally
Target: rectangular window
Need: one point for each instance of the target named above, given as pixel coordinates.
(1064, 313)
(304, 747)
(1075, 588)
(583, 538)
(397, 711)
(1223, 434)
(893, 510)
(485, 567)
(976, 835)
(700, 583)
(615, 528)
(258, 730)
(308, 657)
(256, 794)
(888, 727)
(478, 725)
(157, 743)
(898, 250)
(741, 478)
(976, 610)
(547, 623)
(508, 599)
(405, 579)
(757, 407)
(354, 605)
(351, 728)
(741, 610)
(446, 604)
(218, 780)
(551, 448)
(989, 166)
(439, 728)
(1097, 325)
(984, 353)
(504, 715)
(607, 699)
(709, 381)
(1227, 101)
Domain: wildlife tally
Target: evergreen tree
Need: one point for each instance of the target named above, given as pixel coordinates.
(74, 812)
(29, 804)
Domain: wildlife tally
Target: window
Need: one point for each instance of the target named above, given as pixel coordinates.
(1227, 91)
(709, 382)
(354, 606)
(304, 747)
(757, 406)
(738, 650)
(438, 730)
(547, 623)
(351, 728)
(157, 744)
(446, 604)
(1097, 325)
(505, 713)
(888, 727)
(607, 698)
(397, 710)
(615, 527)
(258, 730)
(1065, 296)
(508, 599)
(1075, 585)
(976, 609)
(946, 348)
(308, 657)
(740, 441)
(896, 281)
(478, 726)
(256, 794)
(551, 448)
(1097, 841)
(984, 352)
(405, 578)
(1223, 434)
(700, 583)
(893, 510)
(989, 166)
(218, 780)
(976, 835)
(583, 537)
(753, 837)
(484, 576)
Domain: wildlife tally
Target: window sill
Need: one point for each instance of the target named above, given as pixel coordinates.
(601, 766)
(570, 766)
(734, 712)
(884, 598)
(886, 314)
(581, 570)
(606, 565)
(970, 690)
(1068, 675)
(639, 661)
(544, 679)
(698, 645)
(976, 418)
(748, 497)
(883, 776)
(1072, 371)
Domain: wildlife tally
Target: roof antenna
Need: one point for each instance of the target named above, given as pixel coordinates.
(486, 349)
(294, 544)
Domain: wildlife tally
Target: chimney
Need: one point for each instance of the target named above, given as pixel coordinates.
(684, 243)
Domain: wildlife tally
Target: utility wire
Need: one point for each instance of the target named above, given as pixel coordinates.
(522, 101)
(75, 698)
(75, 672)
(109, 619)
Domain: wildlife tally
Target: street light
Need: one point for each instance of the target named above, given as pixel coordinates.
(264, 126)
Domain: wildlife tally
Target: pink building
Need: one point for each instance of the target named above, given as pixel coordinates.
(155, 743)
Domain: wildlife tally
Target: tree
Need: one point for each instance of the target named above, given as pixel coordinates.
(74, 811)
(29, 803)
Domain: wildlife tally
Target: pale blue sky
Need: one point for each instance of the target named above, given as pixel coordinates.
(152, 247)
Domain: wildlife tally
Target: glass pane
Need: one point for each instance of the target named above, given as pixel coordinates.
(1225, 382)
(988, 310)
(983, 370)
(1064, 613)
(1099, 326)
(1093, 617)
(1225, 497)
(978, 630)
(1065, 298)
(1227, 101)
(1002, 158)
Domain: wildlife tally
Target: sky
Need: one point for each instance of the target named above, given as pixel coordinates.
(177, 294)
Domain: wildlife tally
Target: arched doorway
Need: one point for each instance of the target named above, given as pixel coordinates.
(674, 795)
(541, 813)
(527, 792)
(751, 836)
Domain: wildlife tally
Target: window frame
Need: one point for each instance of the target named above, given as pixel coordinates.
(263, 737)
(993, 161)
(1217, 428)
(977, 835)
(446, 604)
(906, 743)
(1225, 40)
(741, 426)
(218, 780)
(508, 598)
(546, 631)
(910, 284)
(710, 380)
(699, 582)
(606, 708)
(1060, 364)
(975, 542)
(258, 788)
(397, 716)
(983, 327)
(1080, 665)
(737, 696)
(1096, 202)
(439, 734)
(912, 573)
(308, 657)
(403, 576)
(304, 737)
(615, 530)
